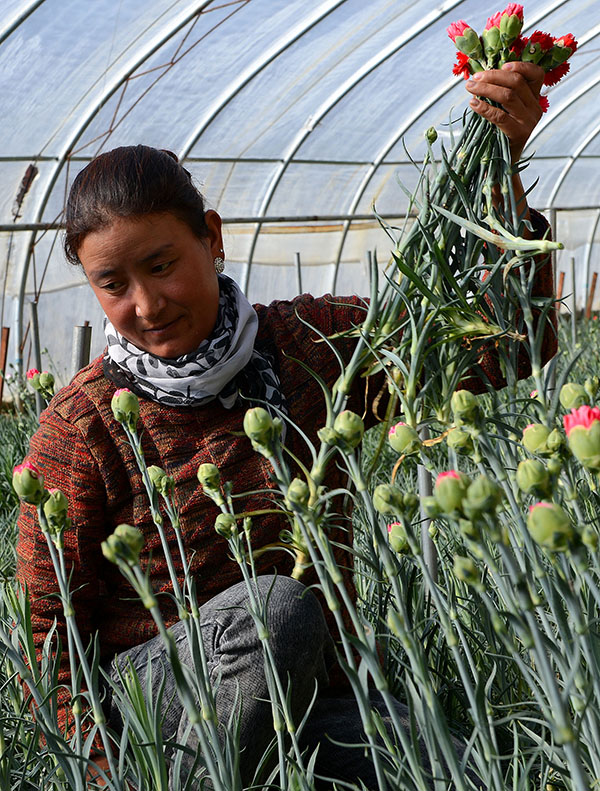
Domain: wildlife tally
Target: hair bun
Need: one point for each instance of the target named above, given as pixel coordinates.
(170, 153)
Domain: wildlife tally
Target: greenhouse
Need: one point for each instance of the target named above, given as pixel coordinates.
(300, 395)
(295, 119)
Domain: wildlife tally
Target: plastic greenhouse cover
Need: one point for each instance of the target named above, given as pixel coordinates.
(294, 117)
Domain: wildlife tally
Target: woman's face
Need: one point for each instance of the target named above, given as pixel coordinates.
(156, 280)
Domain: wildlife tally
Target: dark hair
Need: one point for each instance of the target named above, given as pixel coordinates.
(127, 182)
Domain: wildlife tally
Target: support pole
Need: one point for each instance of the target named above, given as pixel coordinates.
(3, 355)
(559, 290)
(298, 272)
(37, 352)
(574, 312)
(590, 299)
(80, 350)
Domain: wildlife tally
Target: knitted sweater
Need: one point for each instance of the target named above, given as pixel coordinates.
(83, 451)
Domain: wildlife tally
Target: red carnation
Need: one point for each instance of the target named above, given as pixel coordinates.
(518, 46)
(31, 373)
(567, 41)
(556, 74)
(584, 416)
(544, 103)
(457, 29)
(26, 465)
(545, 40)
(462, 65)
(448, 474)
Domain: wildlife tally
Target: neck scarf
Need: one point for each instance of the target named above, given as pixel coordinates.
(225, 366)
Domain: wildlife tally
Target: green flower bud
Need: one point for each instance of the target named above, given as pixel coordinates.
(465, 407)
(410, 504)
(431, 135)
(124, 545)
(510, 27)
(466, 570)
(55, 509)
(125, 407)
(262, 429)
(535, 436)
(483, 496)
(585, 445)
(555, 440)
(225, 525)
(549, 526)
(209, 476)
(329, 436)
(572, 395)
(591, 385)
(46, 383)
(350, 428)
(387, 499)
(403, 438)
(491, 42)
(460, 441)
(28, 483)
(533, 478)
(450, 490)
(469, 44)
(163, 483)
(298, 494)
(398, 538)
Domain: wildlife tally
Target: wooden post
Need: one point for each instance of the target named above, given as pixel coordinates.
(561, 285)
(590, 299)
(3, 355)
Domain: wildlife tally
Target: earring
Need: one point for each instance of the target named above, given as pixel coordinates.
(219, 265)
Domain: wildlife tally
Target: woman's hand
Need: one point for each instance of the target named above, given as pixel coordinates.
(516, 86)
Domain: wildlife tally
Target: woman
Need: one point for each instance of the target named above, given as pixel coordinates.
(184, 338)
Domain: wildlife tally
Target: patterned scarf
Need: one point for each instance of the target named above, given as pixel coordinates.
(226, 365)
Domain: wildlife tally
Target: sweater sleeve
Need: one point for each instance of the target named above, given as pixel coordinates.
(60, 453)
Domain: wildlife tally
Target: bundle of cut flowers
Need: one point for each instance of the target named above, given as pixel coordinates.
(501, 42)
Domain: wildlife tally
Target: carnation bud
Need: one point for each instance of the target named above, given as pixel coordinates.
(511, 24)
(162, 482)
(465, 407)
(466, 570)
(549, 526)
(46, 382)
(33, 377)
(450, 489)
(491, 42)
(572, 395)
(460, 441)
(125, 407)
(410, 503)
(209, 476)
(535, 436)
(28, 483)
(533, 478)
(589, 537)
(483, 496)
(466, 41)
(225, 525)
(387, 499)
(403, 438)
(350, 428)
(124, 545)
(262, 429)
(431, 135)
(398, 538)
(555, 440)
(55, 509)
(298, 494)
(591, 385)
(585, 445)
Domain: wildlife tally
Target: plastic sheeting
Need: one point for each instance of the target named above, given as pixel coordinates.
(294, 118)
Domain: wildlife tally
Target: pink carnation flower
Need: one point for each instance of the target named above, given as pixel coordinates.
(457, 29)
(448, 474)
(392, 525)
(513, 9)
(31, 373)
(392, 431)
(494, 21)
(584, 416)
(121, 390)
(26, 465)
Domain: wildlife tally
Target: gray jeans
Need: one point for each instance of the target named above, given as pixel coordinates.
(303, 651)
